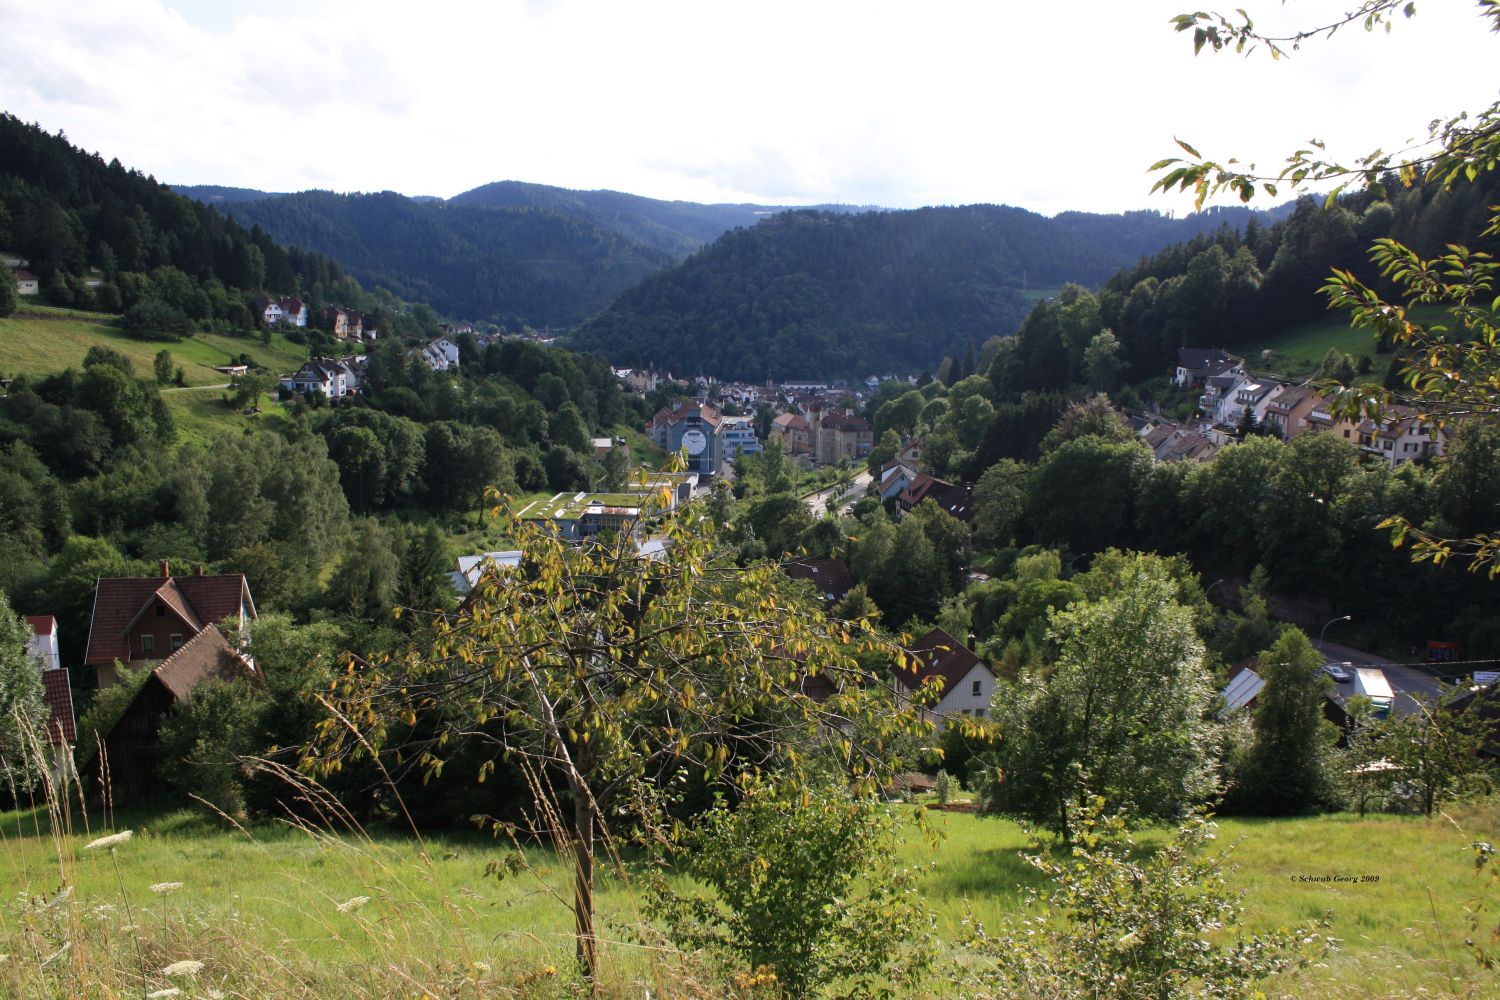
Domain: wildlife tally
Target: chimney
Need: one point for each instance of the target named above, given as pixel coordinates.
(198, 569)
(166, 569)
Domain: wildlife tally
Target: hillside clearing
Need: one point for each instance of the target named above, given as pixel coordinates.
(41, 341)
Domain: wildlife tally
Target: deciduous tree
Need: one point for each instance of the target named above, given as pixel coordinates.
(602, 670)
(1121, 713)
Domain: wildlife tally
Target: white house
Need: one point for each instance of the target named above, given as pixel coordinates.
(471, 568)
(955, 682)
(895, 476)
(1195, 365)
(57, 695)
(42, 646)
(330, 378)
(739, 437)
(293, 311)
(1403, 437)
(440, 354)
(28, 283)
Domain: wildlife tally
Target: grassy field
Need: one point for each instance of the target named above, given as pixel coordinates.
(644, 452)
(349, 910)
(40, 341)
(1035, 295)
(1297, 352)
(200, 416)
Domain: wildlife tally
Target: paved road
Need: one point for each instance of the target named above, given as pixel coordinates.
(1407, 682)
(824, 499)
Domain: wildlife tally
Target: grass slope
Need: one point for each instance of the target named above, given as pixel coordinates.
(267, 902)
(200, 415)
(1297, 352)
(41, 341)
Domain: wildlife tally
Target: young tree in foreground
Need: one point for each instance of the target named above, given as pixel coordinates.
(602, 671)
(1289, 767)
(805, 886)
(1121, 713)
(1137, 930)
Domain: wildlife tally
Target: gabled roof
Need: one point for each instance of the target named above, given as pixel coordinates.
(955, 500)
(830, 576)
(170, 594)
(897, 465)
(1242, 688)
(120, 601)
(57, 694)
(846, 423)
(1196, 359)
(1290, 397)
(42, 624)
(206, 656)
(938, 655)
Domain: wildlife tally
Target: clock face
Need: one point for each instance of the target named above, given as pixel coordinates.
(694, 442)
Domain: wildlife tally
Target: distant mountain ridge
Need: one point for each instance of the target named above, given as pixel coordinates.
(510, 252)
(678, 227)
(520, 253)
(813, 294)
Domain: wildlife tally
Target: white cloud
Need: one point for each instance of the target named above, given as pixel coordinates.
(873, 102)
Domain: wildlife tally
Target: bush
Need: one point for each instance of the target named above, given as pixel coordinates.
(805, 887)
(153, 319)
(943, 787)
(1138, 929)
(204, 738)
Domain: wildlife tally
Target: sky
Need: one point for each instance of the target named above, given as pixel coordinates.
(1050, 107)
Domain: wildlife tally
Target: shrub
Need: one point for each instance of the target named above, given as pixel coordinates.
(943, 786)
(1124, 928)
(204, 738)
(804, 887)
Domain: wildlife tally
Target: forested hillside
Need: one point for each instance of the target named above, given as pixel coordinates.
(814, 293)
(676, 227)
(512, 266)
(530, 254)
(101, 236)
(1232, 287)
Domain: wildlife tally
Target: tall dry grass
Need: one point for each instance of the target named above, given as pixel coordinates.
(326, 910)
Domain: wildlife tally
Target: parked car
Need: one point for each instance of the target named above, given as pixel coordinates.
(1338, 671)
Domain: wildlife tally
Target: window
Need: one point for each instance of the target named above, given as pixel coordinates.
(978, 689)
(978, 713)
(176, 640)
(148, 644)
(161, 611)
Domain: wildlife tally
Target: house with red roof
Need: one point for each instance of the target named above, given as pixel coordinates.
(57, 693)
(28, 283)
(955, 500)
(843, 435)
(133, 749)
(953, 680)
(142, 619)
(43, 642)
(793, 430)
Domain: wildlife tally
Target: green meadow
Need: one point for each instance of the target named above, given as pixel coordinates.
(297, 911)
(40, 340)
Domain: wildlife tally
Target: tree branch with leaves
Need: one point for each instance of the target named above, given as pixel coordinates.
(605, 672)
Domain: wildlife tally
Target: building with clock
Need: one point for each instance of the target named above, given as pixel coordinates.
(696, 428)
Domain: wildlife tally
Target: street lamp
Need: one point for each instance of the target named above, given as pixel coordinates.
(1210, 588)
(1346, 618)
